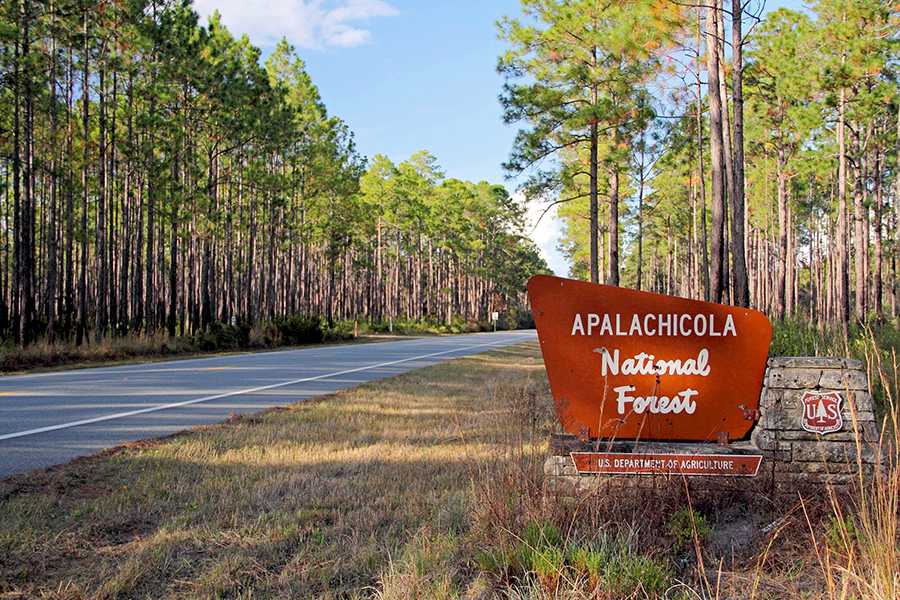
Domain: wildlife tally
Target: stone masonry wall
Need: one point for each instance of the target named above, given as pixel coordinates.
(794, 454)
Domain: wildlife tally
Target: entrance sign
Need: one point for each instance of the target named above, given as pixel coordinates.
(632, 365)
(822, 412)
(613, 463)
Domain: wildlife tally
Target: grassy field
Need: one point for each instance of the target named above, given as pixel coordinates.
(427, 485)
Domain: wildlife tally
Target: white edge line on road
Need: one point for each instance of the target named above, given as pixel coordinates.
(150, 409)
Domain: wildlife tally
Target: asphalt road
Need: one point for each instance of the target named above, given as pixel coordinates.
(50, 418)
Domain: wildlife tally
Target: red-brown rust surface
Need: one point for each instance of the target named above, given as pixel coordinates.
(724, 399)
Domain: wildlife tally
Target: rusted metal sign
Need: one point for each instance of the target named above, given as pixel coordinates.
(625, 364)
(613, 463)
(822, 412)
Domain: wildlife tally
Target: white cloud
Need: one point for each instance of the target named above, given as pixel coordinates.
(305, 23)
(546, 234)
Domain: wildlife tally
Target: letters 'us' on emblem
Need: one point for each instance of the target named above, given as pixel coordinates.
(822, 412)
(629, 365)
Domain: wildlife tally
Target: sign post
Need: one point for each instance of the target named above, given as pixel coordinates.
(640, 367)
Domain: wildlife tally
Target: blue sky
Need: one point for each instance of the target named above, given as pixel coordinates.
(426, 79)
(405, 75)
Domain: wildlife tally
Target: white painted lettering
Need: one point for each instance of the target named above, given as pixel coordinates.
(577, 325)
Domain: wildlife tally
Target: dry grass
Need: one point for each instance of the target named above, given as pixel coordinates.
(44, 355)
(317, 500)
(861, 557)
(428, 485)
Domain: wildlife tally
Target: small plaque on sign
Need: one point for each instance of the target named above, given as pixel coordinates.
(624, 463)
(822, 412)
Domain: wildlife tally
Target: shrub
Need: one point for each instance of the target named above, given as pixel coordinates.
(342, 330)
(841, 532)
(684, 523)
(493, 561)
(300, 329)
(629, 573)
(589, 563)
(540, 553)
(222, 336)
(540, 534)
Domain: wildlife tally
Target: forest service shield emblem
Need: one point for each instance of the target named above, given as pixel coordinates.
(822, 412)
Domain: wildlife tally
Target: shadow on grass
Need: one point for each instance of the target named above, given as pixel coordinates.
(299, 502)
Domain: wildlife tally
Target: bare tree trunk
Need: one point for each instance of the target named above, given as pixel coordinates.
(640, 219)
(716, 145)
(149, 299)
(879, 210)
(113, 205)
(613, 278)
(694, 242)
(100, 233)
(790, 265)
(781, 300)
(28, 198)
(738, 214)
(700, 168)
(85, 101)
(54, 176)
(726, 155)
(70, 201)
(173, 251)
(895, 284)
(16, 300)
(859, 238)
(842, 267)
(594, 204)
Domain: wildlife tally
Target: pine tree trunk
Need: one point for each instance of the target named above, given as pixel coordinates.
(28, 198)
(613, 226)
(85, 102)
(100, 228)
(594, 204)
(895, 282)
(640, 221)
(738, 213)
(843, 281)
(878, 222)
(859, 238)
(781, 300)
(70, 306)
(716, 147)
(54, 166)
(700, 166)
(727, 155)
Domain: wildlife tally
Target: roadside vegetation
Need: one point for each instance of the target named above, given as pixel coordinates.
(427, 485)
(297, 330)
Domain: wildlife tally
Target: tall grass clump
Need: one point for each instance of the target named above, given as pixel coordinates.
(861, 554)
(545, 564)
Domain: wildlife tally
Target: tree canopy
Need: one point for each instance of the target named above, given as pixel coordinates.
(157, 174)
(745, 158)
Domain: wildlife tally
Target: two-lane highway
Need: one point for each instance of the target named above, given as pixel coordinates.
(50, 418)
